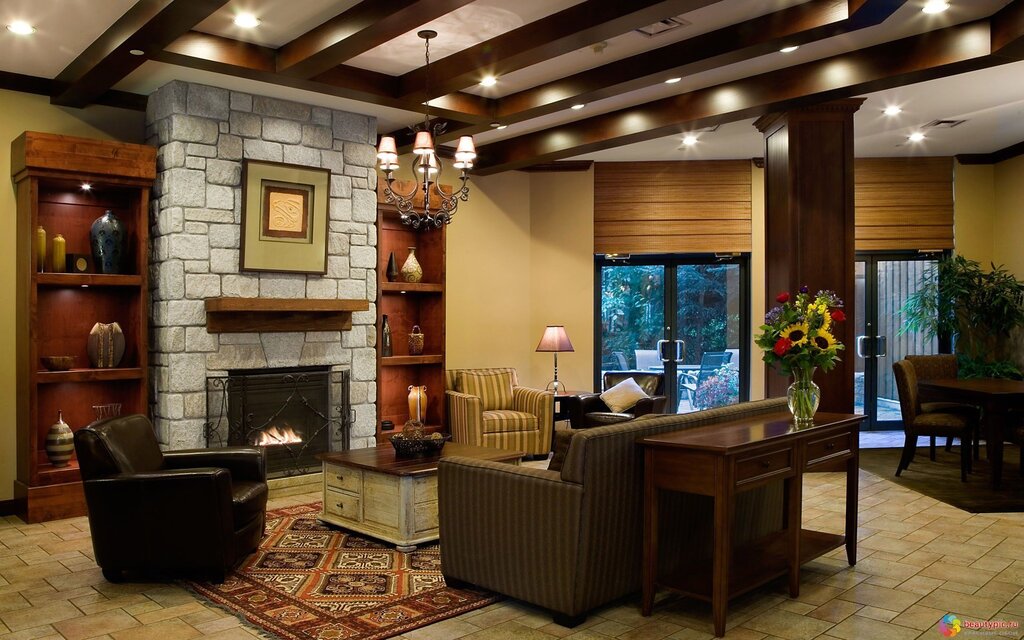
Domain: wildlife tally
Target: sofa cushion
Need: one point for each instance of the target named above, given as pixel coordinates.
(493, 389)
(563, 437)
(504, 420)
(623, 395)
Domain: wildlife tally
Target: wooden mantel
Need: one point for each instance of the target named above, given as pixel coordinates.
(252, 315)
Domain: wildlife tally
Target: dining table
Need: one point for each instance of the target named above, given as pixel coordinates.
(997, 397)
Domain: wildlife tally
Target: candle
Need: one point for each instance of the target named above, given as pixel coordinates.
(59, 252)
(40, 249)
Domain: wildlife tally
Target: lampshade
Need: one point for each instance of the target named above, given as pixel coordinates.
(387, 147)
(555, 339)
(423, 144)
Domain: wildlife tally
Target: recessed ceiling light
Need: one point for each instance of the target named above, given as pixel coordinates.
(488, 81)
(672, 80)
(917, 136)
(935, 6)
(137, 52)
(21, 28)
(892, 110)
(247, 21)
(789, 49)
(86, 186)
(577, 107)
(689, 140)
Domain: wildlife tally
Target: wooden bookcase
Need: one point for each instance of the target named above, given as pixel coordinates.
(407, 304)
(56, 311)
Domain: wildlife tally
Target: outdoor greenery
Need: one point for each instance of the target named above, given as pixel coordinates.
(977, 309)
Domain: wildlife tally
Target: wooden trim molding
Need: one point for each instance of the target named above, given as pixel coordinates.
(561, 165)
(995, 157)
(253, 315)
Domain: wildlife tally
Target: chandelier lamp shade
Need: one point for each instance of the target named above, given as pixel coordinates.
(426, 168)
(555, 341)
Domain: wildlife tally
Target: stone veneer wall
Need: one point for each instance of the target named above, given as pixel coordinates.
(202, 134)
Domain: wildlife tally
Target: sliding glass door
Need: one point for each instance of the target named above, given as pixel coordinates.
(883, 282)
(684, 316)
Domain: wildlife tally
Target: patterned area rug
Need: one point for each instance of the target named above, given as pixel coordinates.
(311, 581)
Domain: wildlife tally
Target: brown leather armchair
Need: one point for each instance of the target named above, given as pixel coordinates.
(587, 410)
(191, 512)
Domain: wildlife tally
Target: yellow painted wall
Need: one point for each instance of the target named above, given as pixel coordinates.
(1008, 244)
(757, 293)
(974, 211)
(562, 273)
(21, 112)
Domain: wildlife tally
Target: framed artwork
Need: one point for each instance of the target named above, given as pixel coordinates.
(284, 217)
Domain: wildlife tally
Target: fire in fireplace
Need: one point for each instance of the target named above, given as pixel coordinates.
(295, 413)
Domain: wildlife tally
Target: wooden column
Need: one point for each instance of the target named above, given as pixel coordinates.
(809, 222)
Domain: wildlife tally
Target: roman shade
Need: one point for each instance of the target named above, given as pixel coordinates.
(904, 203)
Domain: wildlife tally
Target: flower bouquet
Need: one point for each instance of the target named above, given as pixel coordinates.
(797, 336)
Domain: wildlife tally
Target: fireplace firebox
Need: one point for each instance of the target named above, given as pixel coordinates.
(295, 413)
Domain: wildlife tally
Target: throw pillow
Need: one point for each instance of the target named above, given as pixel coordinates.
(493, 389)
(563, 438)
(623, 396)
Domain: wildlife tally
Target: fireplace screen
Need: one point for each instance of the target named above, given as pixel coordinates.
(295, 413)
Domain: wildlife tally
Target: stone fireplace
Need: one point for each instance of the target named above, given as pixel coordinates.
(202, 135)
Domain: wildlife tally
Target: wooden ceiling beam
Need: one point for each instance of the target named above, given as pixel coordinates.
(149, 25)
(797, 25)
(207, 52)
(927, 56)
(368, 24)
(562, 32)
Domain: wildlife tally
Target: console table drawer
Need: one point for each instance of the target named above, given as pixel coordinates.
(826, 448)
(343, 478)
(343, 505)
(765, 465)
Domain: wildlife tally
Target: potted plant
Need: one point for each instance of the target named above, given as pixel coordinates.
(977, 310)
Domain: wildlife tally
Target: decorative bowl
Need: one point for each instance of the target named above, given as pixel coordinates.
(57, 363)
(414, 447)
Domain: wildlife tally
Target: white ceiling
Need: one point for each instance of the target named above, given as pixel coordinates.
(991, 100)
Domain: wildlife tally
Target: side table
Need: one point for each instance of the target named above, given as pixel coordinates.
(561, 413)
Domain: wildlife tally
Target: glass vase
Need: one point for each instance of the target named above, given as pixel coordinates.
(803, 396)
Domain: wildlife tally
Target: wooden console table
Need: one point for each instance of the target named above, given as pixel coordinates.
(723, 460)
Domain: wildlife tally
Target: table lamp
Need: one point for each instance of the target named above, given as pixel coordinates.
(554, 341)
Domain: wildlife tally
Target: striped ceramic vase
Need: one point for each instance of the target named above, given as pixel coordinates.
(60, 442)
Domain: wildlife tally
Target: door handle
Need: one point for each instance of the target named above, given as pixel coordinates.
(883, 341)
(663, 350)
(861, 341)
(680, 351)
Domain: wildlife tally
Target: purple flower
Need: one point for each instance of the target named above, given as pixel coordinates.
(773, 315)
(831, 299)
(804, 289)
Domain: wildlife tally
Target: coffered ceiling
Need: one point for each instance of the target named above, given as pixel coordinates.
(548, 55)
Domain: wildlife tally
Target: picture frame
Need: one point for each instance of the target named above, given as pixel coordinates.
(284, 218)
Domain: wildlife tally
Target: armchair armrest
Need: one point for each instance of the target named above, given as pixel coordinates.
(581, 405)
(244, 463)
(510, 529)
(539, 403)
(162, 519)
(465, 417)
(653, 404)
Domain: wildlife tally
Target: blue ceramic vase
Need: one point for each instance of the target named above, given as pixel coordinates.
(107, 236)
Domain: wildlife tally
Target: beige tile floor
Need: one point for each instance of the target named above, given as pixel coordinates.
(919, 559)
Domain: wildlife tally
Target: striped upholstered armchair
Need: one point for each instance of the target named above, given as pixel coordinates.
(488, 408)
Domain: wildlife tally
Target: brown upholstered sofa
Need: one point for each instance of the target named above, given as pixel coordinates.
(185, 512)
(571, 540)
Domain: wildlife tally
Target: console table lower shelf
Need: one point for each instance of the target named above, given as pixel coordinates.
(730, 458)
(394, 499)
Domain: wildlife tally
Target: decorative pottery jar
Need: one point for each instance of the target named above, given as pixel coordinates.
(411, 270)
(385, 338)
(417, 403)
(106, 345)
(107, 239)
(392, 271)
(60, 442)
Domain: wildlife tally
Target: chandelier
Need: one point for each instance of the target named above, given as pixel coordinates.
(426, 167)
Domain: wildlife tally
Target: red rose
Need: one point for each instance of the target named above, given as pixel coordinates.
(782, 346)
(782, 298)
(838, 315)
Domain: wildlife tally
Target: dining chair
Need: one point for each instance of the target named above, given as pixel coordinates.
(940, 366)
(917, 423)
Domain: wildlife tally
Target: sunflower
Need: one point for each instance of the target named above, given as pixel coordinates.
(824, 340)
(796, 333)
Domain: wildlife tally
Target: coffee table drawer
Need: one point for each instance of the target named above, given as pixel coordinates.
(765, 465)
(425, 489)
(343, 478)
(343, 505)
